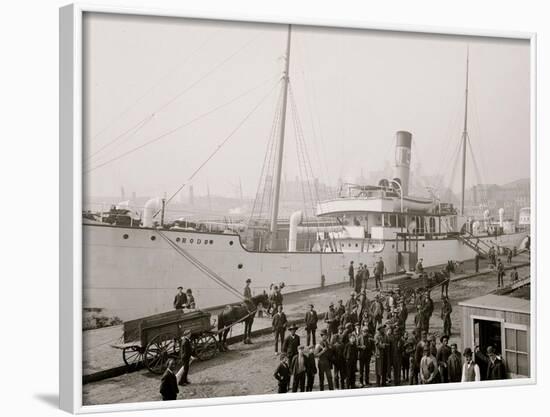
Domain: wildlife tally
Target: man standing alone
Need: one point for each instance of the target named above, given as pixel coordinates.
(311, 325)
(279, 327)
(351, 274)
(379, 273)
(247, 293)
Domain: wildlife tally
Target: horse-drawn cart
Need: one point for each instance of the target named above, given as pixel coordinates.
(411, 283)
(152, 340)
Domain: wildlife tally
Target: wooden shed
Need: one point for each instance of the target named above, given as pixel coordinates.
(502, 322)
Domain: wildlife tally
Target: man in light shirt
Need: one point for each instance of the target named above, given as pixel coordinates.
(470, 370)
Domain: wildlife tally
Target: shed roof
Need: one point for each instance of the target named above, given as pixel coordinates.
(499, 302)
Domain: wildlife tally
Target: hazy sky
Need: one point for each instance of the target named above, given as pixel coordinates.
(145, 77)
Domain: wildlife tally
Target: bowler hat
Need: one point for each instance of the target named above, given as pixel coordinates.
(180, 288)
(382, 326)
(249, 280)
(467, 352)
(293, 327)
(443, 337)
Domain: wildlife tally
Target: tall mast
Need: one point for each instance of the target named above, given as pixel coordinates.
(280, 147)
(465, 134)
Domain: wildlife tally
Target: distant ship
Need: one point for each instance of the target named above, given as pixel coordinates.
(132, 265)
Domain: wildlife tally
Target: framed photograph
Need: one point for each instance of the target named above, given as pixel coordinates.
(259, 209)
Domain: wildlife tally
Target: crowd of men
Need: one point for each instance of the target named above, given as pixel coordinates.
(361, 331)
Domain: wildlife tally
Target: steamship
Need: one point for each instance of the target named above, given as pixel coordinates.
(133, 270)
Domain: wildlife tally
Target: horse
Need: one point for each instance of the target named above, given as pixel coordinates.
(234, 312)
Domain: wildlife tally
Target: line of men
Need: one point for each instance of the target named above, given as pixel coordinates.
(359, 277)
(355, 334)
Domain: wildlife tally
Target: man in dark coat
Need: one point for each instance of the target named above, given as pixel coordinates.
(495, 366)
(180, 300)
(291, 343)
(500, 274)
(446, 310)
(454, 364)
(379, 273)
(279, 324)
(282, 374)
(428, 309)
(168, 383)
(366, 276)
(350, 358)
(247, 292)
(332, 320)
(311, 325)
(381, 344)
(351, 274)
(366, 347)
(323, 353)
(419, 352)
(311, 368)
(442, 357)
(482, 362)
(298, 370)
(338, 362)
(395, 354)
(340, 310)
(185, 356)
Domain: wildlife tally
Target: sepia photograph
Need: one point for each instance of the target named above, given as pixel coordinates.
(274, 208)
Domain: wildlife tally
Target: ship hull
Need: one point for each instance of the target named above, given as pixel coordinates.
(133, 272)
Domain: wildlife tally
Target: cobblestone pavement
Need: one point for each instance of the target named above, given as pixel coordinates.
(248, 369)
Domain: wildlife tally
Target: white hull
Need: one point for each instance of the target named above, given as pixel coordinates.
(137, 276)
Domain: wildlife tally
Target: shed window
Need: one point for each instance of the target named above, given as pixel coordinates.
(517, 357)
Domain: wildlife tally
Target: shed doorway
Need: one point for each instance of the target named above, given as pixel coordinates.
(488, 333)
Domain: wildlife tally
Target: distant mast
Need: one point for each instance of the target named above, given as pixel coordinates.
(465, 135)
(279, 165)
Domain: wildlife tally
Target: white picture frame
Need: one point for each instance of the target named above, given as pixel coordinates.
(70, 45)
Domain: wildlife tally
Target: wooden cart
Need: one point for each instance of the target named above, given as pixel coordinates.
(408, 284)
(152, 340)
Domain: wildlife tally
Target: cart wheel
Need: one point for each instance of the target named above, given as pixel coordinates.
(133, 356)
(205, 346)
(161, 348)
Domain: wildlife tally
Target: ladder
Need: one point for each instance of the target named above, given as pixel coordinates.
(475, 243)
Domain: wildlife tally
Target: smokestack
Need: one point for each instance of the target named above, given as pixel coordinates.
(403, 142)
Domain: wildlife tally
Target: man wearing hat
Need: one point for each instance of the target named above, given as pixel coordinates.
(331, 319)
(446, 310)
(180, 300)
(454, 364)
(323, 353)
(470, 369)
(338, 361)
(351, 274)
(365, 344)
(495, 366)
(311, 368)
(442, 357)
(419, 351)
(352, 302)
(350, 357)
(377, 310)
(379, 273)
(358, 279)
(340, 309)
(381, 355)
(311, 325)
(247, 292)
(365, 276)
(419, 269)
(279, 324)
(185, 356)
(298, 370)
(291, 343)
(282, 374)
(168, 383)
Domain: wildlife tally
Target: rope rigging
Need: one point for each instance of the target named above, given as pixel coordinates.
(179, 127)
(222, 143)
(180, 93)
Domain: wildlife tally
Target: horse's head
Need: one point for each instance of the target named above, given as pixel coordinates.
(262, 298)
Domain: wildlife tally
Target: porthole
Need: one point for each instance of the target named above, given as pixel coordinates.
(198, 241)
(190, 240)
(153, 237)
(125, 236)
(356, 245)
(230, 243)
(211, 242)
(177, 239)
(183, 239)
(392, 246)
(205, 241)
(240, 266)
(422, 245)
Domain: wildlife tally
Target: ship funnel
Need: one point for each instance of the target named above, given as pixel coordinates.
(403, 141)
(501, 217)
(151, 208)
